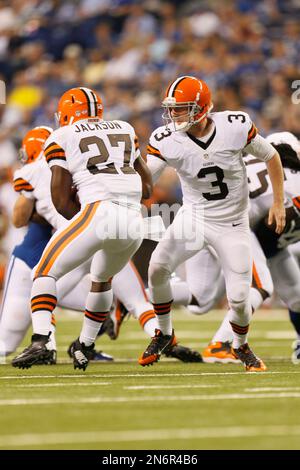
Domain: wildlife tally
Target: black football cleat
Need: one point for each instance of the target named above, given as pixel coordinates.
(36, 353)
(49, 361)
(158, 344)
(182, 353)
(251, 362)
(97, 356)
(81, 354)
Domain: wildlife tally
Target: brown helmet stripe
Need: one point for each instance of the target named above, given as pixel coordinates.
(88, 101)
(172, 88)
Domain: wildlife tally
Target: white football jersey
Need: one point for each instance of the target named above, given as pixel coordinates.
(100, 156)
(260, 188)
(33, 181)
(212, 172)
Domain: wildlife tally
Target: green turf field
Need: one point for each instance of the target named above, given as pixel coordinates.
(168, 406)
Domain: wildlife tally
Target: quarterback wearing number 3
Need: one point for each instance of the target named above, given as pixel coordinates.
(206, 149)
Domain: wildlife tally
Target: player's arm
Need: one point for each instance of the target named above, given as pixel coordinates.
(277, 211)
(261, 149)
(155, 162)
(141, 167)
(62, 192)
(22, 211)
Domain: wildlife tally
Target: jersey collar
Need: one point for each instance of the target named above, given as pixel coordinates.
(203, 145)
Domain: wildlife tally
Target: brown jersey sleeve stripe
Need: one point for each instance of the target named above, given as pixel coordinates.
(20, 181)
(251, 134)
(64, 238)
(54, 152)
(53, 146)
(56, 157)
(22, 185)
(154, 152)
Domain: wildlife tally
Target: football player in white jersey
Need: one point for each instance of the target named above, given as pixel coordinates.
(103, 161)
(206, 150)
(276, 267)
(33, 208)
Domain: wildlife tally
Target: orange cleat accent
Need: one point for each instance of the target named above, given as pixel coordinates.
(219, 352)
(148, 361)
(158, 344)
(251, 362)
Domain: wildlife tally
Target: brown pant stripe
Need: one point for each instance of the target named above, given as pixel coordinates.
(64, 236)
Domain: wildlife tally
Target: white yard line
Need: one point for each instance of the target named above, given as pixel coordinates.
(271, 389)
(167, 387)
(72, 384)
(154, 435)
(145, 399)
(145, 375)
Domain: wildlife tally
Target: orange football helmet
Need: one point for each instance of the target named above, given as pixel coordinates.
(78, 103)
(33, 143)
(188, 93)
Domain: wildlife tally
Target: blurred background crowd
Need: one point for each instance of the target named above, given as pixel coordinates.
(247, 50)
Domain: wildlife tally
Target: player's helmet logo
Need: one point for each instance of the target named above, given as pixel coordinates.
(33, 143)
(78, 103)
(187, 101)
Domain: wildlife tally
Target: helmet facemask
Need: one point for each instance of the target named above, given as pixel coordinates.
(23, 156)
(183, 121)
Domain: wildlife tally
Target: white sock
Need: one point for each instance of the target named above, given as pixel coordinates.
(98, 305)
(89, 331)
(240, 325)
(43, 302)
(256, 298)
(165, 323)
(224, 333)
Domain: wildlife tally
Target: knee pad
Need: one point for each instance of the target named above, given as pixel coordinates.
(238, 298)
(158, 273)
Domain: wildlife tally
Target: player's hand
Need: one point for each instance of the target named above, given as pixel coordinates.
(277, 215)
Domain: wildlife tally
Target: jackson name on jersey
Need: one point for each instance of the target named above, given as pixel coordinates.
(212, 172)
(100, 156)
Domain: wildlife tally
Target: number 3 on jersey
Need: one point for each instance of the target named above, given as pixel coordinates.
(102, 157)
(217, 183)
